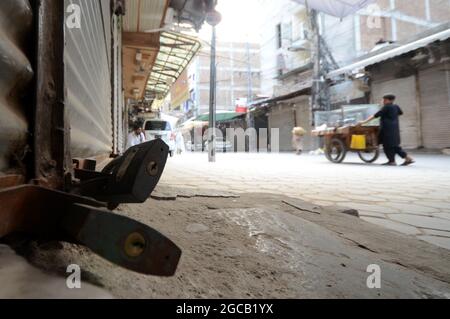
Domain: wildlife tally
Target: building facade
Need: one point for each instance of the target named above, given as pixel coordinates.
(418, 72)
(287, 59)
(238, 76)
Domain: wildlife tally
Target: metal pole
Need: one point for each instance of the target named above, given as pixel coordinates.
(212, 101)
(249, 70)
(316, 60)
(52, 159)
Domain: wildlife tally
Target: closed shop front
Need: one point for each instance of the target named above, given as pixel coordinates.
(282, 117)
(88, 79)
(435, 106)
(405, 90)
(118, 98)
(304, 120)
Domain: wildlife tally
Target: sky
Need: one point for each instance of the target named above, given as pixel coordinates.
(240, 22)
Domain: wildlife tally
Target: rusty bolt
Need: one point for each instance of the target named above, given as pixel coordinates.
(134, 245)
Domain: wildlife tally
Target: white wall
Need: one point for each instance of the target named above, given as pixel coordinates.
(290, 15)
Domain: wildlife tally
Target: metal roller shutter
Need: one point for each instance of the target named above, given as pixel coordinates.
(115, 69)
(88, 80)
(405, 90)
(435, 106)
(303, 112)
(118, 102)
(16, 18)
(282, 117)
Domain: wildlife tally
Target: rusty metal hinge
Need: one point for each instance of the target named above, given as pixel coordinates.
(52, 215)
(80, 216)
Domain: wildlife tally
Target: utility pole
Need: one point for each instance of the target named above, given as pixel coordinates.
(320, 95)
(249, 71)
(249, 117)
(213, 18)
(316, 88)
(212, 101)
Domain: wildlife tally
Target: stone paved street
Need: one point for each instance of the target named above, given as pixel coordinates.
(412, 200)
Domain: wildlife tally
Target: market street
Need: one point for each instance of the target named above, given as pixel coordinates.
(412, 200)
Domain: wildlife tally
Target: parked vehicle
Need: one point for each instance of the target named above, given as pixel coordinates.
(155, 129)
(222, 145)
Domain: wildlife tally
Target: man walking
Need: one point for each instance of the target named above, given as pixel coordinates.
(390, 131)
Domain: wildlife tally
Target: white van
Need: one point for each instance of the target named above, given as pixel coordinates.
(155, 129)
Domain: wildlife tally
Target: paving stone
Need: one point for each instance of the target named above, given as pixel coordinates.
(412, 208)
(423, 221)
(402, 228)
(334, 198)
(438, 196)
(437, 204)
(373, 208)
(442, 215)
(436, 232)
(371, 198)
(438, 241)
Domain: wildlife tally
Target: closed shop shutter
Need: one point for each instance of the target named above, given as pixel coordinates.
(282, 118)
(88, 80)
(16, 19)
(304, 120)
(435, 106)
(405, 90)
(117, 105)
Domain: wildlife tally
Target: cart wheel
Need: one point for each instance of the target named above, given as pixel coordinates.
(336, 151)
(369, 156)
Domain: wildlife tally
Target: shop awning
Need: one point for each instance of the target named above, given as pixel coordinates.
(393, 52)
(176, 52)
(337, 8)
(221, 117)
(139, 47)
(304, 90)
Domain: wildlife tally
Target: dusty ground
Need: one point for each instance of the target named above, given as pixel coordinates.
(21, 280)
(256, 246)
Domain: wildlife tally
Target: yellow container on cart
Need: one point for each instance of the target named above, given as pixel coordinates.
(358, 142)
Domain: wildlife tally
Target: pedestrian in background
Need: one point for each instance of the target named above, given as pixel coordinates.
(297, 139)
(390, 130)
(136, 137)
(179, 140)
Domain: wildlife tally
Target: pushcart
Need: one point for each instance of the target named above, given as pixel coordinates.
(341, 134)
(339, 141)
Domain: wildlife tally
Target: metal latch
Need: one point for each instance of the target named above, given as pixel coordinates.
(128, 179)
(80, 216)
(52, 215)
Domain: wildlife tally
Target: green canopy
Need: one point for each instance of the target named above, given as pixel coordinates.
(221, 117)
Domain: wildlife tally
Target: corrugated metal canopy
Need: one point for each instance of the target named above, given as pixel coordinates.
(144, 15)
(337, 8)
(397, 51)
(140, 39)
(176, 52)
(220, 117)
